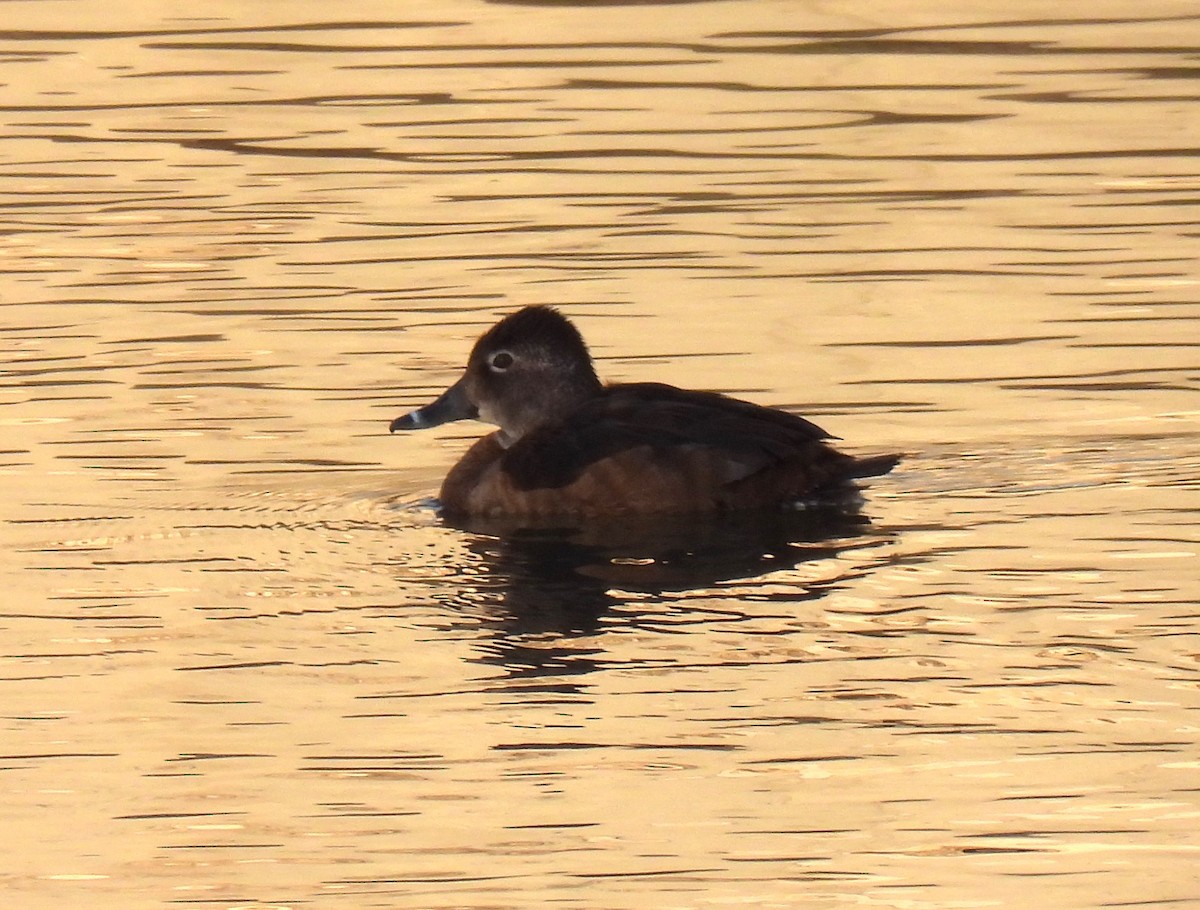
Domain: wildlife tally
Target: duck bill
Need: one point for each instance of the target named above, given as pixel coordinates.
(452, 404)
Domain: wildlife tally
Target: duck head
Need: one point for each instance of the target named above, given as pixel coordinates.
(529, 369)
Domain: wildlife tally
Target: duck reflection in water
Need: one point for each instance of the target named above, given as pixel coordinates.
(562, 578)
(587, 487)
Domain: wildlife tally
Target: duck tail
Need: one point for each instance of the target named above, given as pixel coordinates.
(872, 466)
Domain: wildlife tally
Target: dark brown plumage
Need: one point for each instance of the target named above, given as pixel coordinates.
(568, 445)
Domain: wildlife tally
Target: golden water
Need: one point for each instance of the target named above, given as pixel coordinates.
(245, 666)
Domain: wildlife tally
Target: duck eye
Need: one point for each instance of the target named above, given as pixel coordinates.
(501, 361)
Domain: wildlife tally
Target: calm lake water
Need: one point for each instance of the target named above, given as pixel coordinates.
(246, 666)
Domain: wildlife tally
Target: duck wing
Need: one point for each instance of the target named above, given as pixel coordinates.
(741, 437)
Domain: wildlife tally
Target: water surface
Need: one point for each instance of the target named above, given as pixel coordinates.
(246, 665)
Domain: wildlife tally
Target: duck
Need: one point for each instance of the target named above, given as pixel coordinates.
(570, 445)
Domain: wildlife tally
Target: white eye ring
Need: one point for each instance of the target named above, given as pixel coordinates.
(500, 361)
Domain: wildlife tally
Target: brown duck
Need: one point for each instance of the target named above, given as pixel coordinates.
(570, 445)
